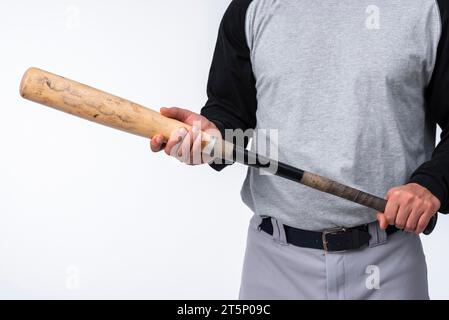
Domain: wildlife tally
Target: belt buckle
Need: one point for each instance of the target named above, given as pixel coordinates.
(327, 232)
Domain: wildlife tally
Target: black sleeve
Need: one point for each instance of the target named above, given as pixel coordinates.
(434, 174)
(231, 90)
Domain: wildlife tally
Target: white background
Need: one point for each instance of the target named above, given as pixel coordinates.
(89, 212)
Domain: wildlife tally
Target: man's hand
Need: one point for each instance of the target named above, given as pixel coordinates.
(409, 207)
(183, 144)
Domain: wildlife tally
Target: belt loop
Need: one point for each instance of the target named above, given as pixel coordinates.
(279, 235)
(256, 221)
(378, 236)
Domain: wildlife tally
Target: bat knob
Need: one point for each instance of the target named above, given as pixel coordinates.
(431, 225)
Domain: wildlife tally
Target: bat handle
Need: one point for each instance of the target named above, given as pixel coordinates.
(354, 195)
(379, 204)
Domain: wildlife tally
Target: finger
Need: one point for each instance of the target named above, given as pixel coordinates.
(423, 222)
(176, 113)
(176, 138)
(184, 150)
(156, 143)
(383, 222)
(402, 216)
(412, 221)
(196, 154)
(391, 211)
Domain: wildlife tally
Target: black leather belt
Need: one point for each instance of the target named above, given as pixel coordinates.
(339, 239)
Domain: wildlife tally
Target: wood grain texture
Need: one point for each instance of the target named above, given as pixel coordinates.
(104, 108)
(343, 191)
(95, 105)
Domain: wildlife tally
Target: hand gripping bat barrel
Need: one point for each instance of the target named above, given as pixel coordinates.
(92, 104)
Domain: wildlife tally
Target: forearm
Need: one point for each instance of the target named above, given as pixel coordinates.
(434, 174)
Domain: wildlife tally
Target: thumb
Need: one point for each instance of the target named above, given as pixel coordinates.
(383, 222)
(176, 113)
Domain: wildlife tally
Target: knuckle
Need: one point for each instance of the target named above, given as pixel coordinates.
(433, 207)
(394, 192)
(434, 204)
(422, 225)
(427, 205)
(408, 197)
(390, 216)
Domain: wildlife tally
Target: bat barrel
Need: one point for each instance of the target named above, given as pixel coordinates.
(95, 105)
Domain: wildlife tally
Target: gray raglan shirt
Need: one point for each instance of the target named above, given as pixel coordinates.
(355, 89)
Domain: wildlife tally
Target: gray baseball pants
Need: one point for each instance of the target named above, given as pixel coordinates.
(393, 268)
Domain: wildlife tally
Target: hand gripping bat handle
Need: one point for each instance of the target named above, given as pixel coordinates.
(343, 191)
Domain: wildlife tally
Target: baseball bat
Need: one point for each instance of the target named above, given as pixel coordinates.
(98, 106)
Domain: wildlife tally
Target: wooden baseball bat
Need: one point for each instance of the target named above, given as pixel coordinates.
(95, 105)
(98, 106)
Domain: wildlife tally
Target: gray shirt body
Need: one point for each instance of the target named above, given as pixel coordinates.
(343, 82)
(346, 97)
